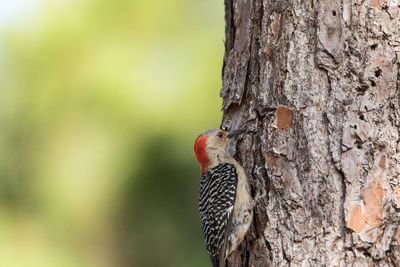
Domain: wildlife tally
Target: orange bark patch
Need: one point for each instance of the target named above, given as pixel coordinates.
(397, 196)
(376, 4)
(371, 263)
(267, 51)
(270, 160)
(382, 162)
(284, 117)
(373, 196)
(357, 220)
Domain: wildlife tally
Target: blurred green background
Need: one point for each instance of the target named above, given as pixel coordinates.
(100, 103)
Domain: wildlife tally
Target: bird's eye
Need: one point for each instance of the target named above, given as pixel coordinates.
(220, 135)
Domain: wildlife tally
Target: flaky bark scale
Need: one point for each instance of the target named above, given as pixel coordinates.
(316, 85)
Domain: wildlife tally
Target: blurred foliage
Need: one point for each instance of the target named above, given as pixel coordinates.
(100, 104)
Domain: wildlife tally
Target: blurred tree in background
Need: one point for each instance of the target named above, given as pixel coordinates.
(100, 104)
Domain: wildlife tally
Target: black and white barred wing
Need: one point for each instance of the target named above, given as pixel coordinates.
(217, 198)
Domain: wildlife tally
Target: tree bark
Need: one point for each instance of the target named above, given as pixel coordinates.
(316, 85)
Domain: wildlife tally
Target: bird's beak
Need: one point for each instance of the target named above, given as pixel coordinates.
(234, 133)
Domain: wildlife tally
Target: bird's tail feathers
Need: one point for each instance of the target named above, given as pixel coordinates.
(215, 262)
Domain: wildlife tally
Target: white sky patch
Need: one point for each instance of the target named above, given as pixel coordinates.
(15, 11)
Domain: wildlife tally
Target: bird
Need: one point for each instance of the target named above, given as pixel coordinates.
(225, 201)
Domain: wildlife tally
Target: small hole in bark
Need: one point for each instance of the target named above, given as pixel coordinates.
(362, 88)
(358, 143)
(361, 117)
(355, 126)
(381, 147)
(334, 12)
(373, 83)
(397, 210)
(367, 254)
(378, 72)
(374, 46)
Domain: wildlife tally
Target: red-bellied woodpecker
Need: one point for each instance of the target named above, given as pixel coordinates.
(225, 203)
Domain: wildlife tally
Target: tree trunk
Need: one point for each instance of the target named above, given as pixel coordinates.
(316, 85)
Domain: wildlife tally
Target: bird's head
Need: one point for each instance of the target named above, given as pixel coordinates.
(212, 142)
